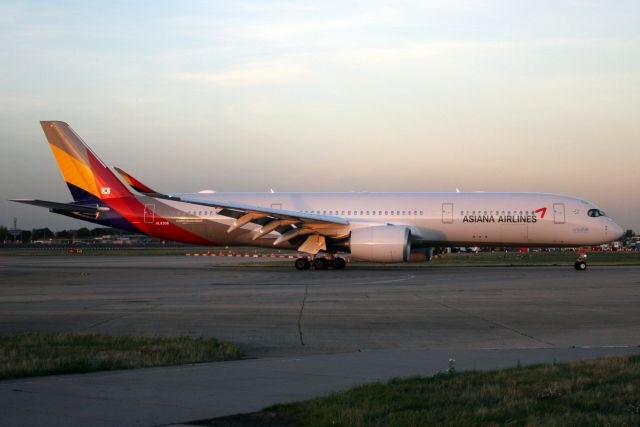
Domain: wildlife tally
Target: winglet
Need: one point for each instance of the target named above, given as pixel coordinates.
(136, 185)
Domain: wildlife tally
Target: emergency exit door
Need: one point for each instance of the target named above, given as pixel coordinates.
(149, 213)
(558, 213)
(447, 213)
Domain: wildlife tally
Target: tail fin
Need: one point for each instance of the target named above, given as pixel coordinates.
(85, 174)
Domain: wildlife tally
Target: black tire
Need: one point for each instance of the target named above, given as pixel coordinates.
(302, 264)
(338, 263)
(580, 265)
(320, 264)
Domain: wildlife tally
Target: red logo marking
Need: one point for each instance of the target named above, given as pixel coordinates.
(542, 212)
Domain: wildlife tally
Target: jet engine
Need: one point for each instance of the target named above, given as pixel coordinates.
(383, 243)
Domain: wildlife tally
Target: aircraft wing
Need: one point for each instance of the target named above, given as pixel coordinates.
(305, 230)
(68, 207)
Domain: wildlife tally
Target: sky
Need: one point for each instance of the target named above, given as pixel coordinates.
(539, 96)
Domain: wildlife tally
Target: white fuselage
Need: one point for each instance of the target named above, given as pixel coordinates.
(437, 219)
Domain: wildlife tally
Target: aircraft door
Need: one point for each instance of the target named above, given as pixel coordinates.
(276, 205)
(149, 213)
(447, 213)
(558, 213)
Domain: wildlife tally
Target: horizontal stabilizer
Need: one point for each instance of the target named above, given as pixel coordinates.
(68, 207)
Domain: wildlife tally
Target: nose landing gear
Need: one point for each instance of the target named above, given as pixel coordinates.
(580, 265)
(581, 262)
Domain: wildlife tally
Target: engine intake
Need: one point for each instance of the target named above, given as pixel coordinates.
(383, 243)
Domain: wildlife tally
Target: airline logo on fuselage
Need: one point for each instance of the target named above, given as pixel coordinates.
(511, 219)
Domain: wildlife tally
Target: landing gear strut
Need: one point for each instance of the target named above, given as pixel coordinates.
(320, 263)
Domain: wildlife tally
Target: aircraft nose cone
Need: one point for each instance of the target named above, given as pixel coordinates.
(616, 232)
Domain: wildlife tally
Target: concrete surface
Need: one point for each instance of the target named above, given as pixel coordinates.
(272, 311)
(317, 331)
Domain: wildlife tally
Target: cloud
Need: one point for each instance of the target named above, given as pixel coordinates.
(249, 74)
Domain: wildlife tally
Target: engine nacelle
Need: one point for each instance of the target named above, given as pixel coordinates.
(383, 243)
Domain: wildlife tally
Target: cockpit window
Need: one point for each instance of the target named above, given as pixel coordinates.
(595, 213)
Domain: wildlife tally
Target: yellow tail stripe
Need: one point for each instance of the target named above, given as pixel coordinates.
(75, 172)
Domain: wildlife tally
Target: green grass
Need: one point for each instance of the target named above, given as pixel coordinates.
(36, 354)
(593, 393)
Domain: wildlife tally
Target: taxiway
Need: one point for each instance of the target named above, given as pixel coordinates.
(312, 331)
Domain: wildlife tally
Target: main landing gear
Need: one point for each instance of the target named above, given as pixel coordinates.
(581, 262)
(320, 263)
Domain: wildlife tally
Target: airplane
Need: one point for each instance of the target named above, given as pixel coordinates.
(375, 227)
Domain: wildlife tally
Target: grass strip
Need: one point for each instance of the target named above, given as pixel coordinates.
(599, 392)
(36, 354)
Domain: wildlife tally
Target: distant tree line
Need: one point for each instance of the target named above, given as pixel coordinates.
(46, 234)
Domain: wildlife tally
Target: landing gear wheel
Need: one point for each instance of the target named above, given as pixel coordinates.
(580, 265)
(338, 263)
(320, 264)
(302, 264)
